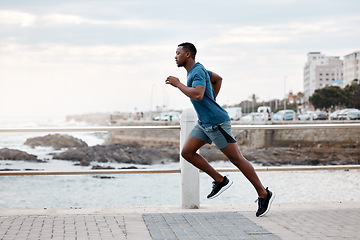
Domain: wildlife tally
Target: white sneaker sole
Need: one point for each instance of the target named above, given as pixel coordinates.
(270, 202)
(222, 189)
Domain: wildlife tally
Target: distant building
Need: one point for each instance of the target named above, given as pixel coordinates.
(351, 67)
(336, 82)
(320, 71)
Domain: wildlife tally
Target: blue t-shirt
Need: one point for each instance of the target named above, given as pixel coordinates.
(208, 111)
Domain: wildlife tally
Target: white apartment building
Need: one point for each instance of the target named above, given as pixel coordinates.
(351, 67)
(320, 71)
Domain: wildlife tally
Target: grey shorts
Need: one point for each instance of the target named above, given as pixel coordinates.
(219, 134)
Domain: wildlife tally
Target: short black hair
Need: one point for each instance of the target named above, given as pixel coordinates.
(189, 47)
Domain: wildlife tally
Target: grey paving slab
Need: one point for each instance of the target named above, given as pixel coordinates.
(61, 227)
(320, 222)
(211, 225)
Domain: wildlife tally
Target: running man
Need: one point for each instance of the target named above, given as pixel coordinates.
(213, 126)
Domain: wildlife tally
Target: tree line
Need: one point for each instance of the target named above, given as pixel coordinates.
(334, 96)
(328, 97)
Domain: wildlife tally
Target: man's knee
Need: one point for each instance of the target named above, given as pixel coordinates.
(186, 153)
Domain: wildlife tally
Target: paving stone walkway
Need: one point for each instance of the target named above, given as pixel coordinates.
(318, 221)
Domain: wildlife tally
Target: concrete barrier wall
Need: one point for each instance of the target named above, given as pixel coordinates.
(247, 139)
(146, 137)
(340, 137)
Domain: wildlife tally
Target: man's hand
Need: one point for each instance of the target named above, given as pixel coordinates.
(196, 93)
(174, 81)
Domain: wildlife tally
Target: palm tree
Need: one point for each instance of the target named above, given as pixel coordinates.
(253, 98)
(299, 97)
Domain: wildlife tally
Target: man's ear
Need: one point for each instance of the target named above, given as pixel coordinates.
(188, 54)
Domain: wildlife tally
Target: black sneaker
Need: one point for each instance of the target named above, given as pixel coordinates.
(265, 203)
(218, 188)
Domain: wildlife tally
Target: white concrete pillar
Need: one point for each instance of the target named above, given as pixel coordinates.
(190, 183)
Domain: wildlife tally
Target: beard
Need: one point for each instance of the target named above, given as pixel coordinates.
(179, 64)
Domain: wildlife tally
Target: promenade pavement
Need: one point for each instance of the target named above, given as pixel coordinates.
(284, 221)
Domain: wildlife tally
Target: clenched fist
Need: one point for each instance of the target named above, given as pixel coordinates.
(174, 81)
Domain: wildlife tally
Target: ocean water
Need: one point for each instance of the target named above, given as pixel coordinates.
(149, 189)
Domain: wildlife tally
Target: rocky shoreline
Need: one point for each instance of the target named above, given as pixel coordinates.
(79, 152)
(56, 141)
(129, 152)
(279, 156)
(14, 155)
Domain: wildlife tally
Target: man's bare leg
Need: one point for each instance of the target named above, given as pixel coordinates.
(233, 153)
(189, 152)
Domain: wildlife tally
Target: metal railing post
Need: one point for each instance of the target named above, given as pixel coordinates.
(190, 183)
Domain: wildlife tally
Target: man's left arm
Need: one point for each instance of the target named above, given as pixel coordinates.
(216, 81)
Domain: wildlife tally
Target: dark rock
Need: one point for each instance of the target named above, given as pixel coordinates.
(84, 163)
(103, 177)
(57, 141)
(131, 167)
(13, 154)
(128, 152)
(101, 167)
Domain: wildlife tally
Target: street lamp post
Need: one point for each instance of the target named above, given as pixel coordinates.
(285, 93)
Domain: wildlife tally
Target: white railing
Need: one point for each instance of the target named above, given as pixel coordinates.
(298, 126)
(88, 129)
(130, 128)
(172, 170)
(190, 186)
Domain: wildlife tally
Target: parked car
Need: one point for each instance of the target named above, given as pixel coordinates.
(342, 115)
(235, 113)
(170, 116)
(354, 115)
(334, 115)
(156, 117)
(265, 112)
(284, 115)
(252, 117)
(319, 116)
(305, 116)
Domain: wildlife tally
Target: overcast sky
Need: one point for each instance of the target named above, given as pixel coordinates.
(81, 56)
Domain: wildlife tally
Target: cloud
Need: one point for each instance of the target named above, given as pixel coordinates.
(252, 34)
(286, 34)
(8, 17)
(24, 19)
(65, 79)
(64, 19)
(55, 53)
